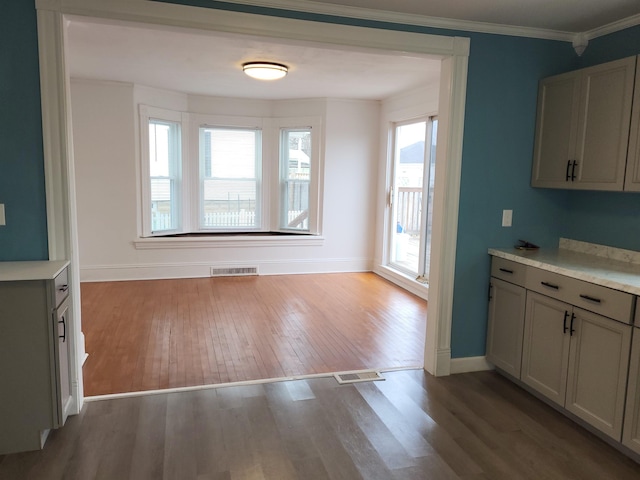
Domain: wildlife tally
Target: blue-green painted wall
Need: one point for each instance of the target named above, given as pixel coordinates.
(498, 144)
(21, 159)
(605, 217)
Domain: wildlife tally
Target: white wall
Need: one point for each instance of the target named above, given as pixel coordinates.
(106, 150)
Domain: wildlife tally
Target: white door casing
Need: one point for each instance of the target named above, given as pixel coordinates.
(58, 142)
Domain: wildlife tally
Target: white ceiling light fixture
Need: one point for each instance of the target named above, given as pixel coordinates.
(265, 70)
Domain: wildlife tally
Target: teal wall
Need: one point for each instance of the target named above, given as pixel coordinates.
(605, 217)
(498, 144)
(21, 159)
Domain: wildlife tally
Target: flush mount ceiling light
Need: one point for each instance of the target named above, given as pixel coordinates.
(265, 70)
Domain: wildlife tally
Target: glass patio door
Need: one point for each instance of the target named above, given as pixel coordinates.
(411, 194)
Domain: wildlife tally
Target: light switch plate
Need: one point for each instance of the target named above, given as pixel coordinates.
(507, 217)
(2, 218)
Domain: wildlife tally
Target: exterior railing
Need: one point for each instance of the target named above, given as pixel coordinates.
(409, 209)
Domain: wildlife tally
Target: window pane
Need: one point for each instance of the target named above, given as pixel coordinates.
(295, 177)
(164, 158)
(229, 163)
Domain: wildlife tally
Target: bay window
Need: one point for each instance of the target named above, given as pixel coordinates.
(214, 174)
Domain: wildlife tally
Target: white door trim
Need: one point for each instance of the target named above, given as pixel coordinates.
(58, 142)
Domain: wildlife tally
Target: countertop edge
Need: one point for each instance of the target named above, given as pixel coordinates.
(31, 270)
(577, 274)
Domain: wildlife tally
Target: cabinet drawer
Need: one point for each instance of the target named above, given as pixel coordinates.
(508, 271)
(550, 284)
(588, 296)
(61, 285)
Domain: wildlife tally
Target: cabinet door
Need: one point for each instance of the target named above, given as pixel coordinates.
(545, 350)
(62, 400)
(598, 365)
(505, 326)
(603, 125)
(632, 178)
(556, 130)
(631, 430)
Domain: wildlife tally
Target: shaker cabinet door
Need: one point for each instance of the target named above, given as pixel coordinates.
(545, 351)
(598, 366)
(556, 130)
(505, 327)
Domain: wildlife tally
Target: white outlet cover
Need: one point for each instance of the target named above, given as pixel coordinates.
(507, 217)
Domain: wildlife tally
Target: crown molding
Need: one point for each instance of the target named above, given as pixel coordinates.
(612, 27)
(309, 6)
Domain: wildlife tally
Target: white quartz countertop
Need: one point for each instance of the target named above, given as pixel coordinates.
(33, 270)
(600, 269)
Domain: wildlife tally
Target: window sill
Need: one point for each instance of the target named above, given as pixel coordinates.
(231, 241)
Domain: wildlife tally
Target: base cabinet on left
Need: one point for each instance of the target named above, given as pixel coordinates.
(35, 344)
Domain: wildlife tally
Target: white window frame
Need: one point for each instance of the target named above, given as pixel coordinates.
(314, 124)
(269, 177)
(147, 114)
(217, 121)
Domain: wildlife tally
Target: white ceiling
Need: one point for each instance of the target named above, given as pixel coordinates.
(205, 63)
(210, 64)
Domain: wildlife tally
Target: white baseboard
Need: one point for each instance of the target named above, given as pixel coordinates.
(110, 273)
(470, 364)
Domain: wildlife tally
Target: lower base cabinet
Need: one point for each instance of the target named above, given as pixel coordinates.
(631, 431)
(577, 359)
(506, 321)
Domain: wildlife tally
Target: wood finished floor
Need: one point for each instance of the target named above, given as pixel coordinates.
(476, 426)
(159, 334)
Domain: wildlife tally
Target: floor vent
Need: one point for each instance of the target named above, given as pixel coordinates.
(233, 271)
(357, 377)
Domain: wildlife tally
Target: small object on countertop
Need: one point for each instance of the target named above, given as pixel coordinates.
(524, 245)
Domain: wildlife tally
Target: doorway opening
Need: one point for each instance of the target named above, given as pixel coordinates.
(59, 162)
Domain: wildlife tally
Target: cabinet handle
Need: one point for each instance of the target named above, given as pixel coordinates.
(64, 288)
(490, 289)
(564, 322)
(573, 171)
(566, 179)
(571, 330)
(591, 299)
(505, 270)
(550, 285)
(64, 329)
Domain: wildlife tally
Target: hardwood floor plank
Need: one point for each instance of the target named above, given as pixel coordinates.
(155, 334)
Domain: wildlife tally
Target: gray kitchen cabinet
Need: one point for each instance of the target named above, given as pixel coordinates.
(582, 127)
(34, 353)
(631, 430)
(577, 359)
(632, 177)
(545, 351)
(598, 366)
(506, 316)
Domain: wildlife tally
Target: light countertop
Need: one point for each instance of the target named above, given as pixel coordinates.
(613, 268)
(33, 270)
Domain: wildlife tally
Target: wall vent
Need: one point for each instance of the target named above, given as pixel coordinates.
(233, 271)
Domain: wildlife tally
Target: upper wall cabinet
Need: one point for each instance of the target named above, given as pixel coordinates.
(632, 178)
(582, 129)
